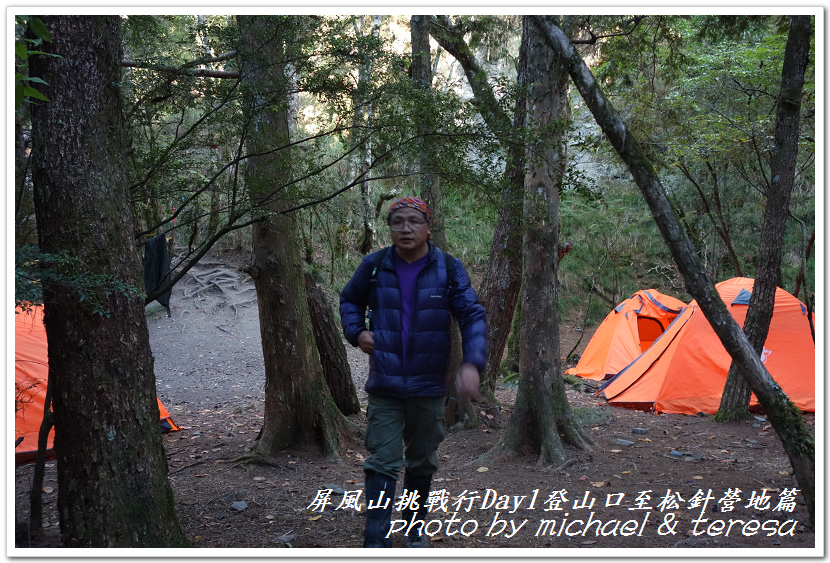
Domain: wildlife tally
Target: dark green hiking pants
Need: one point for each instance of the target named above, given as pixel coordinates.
(404, 432)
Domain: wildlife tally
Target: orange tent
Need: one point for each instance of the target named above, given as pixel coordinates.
(685, 370)
(627, 332)
(31, 370)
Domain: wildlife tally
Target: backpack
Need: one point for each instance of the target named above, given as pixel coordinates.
(449, 263)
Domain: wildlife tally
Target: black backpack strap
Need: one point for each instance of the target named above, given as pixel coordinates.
(373, 284)
(449, 263)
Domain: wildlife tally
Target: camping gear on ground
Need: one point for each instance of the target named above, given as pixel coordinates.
(628, 331)
(685, 370)
(31, 371)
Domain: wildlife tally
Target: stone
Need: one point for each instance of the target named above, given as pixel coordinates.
(335, 490)
(239, 505)
(622, 442)
(285, 538)
(639, 431)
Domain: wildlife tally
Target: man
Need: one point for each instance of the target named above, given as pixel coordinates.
(416, 290)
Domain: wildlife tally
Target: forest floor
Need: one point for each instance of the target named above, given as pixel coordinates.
(210, 376)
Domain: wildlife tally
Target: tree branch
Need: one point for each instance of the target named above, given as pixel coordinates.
(186, 69)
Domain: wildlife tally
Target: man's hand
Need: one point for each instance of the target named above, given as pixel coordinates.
(366, 342)
(467, 380)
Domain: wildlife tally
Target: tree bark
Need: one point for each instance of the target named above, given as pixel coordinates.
(298, 405)
(542, 412)
(112, 469)
(736, 393)
(332, 352)
(786, 419)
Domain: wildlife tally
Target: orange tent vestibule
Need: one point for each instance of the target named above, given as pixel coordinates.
(31, 369)
(685, 370)
(627, 331)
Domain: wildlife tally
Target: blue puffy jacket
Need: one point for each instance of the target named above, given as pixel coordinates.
(428, 350)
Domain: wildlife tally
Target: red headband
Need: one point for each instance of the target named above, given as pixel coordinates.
(413, 202)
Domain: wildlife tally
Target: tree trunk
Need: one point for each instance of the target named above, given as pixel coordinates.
(332, 352)
(736, 394)
(362, 123)
(36, 493)
(499, 290)
(24, 217)
(430, 184)
(786, 419)
(112, 469)
(805, 255)
(430, 191)
(298, 404)
(542, 412)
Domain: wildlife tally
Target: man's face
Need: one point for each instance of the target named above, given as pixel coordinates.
(409, 229)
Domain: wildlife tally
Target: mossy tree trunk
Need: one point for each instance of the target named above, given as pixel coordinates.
(112, 469)
(786, 419)
(330, 346)
(542, 412)
(298, 405)
(736, 393)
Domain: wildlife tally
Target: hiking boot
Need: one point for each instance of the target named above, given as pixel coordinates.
(419, 541)
(421, 484)
(380, 493)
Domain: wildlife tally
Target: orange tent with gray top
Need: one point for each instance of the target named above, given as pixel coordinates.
(628, 331)
(31, 371)
(685, 370)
